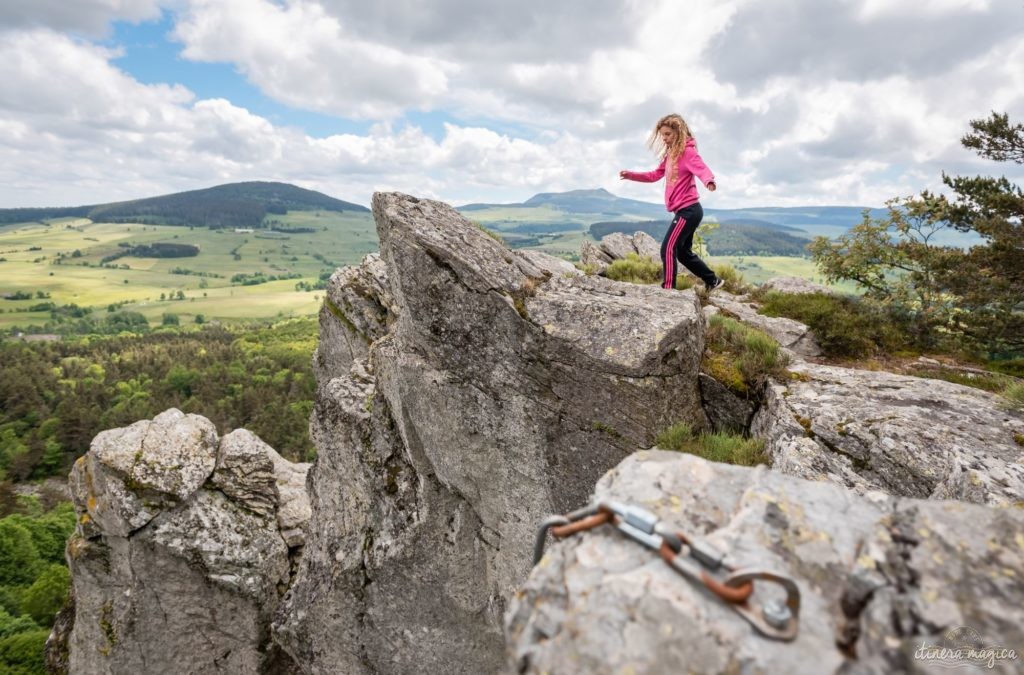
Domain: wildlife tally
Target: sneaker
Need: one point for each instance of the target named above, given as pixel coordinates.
(719, 282)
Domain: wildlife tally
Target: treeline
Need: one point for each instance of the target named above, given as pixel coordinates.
(233, 205)
(212, 211)
(56, 396)
(40, 214)
(154, 250)
(72, 319)
(257, 278)
(730, 238)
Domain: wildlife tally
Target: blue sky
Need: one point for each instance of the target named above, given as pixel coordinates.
(793, 102)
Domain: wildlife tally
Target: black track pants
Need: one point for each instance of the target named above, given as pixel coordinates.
(678, 245)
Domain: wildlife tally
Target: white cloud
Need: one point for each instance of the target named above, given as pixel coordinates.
(302, 56)
(791, 102)
(104, 136)
(90, 17)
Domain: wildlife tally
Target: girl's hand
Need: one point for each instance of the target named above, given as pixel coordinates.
(712, 187)
(622, 175)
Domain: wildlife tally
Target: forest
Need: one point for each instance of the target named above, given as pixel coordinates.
(56, 396)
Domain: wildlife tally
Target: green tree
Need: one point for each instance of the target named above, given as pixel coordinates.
(896, 262)
(181, 380)
(47, 594)
(989, 280)
(19, 559)
(11, 447)
(22, 654)
(11, 624)
(974, 295)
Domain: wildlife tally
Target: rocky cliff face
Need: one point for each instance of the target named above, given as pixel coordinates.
(503, 387)
(184, 546)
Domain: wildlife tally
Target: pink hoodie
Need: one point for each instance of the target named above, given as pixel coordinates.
(680, 188)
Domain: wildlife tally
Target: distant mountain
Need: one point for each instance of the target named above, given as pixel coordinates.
(231, 205)
(601, 201)
(598, 201)
(801, 217)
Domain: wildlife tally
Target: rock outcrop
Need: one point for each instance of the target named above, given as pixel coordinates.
(617, 246)
(355, 312)
(879, 577)
(907, 436)
(502, 390)
(182, 550)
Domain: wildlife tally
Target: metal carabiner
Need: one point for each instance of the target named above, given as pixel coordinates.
(775, 619)
(559, 521)
(635, 522)
(542, 535)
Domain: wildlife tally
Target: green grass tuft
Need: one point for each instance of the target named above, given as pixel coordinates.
(734, 282)
(1013, 396)
(714, 447)
(635, 269)
(675, 437)
(993, 382)
(741, 357)
(490, 233)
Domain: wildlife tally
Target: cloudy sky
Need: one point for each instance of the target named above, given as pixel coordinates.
(792, 101)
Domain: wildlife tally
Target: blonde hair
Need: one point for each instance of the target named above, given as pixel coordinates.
(678, 124)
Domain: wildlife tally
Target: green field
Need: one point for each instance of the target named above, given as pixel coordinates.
(60, 261)
(758, 269)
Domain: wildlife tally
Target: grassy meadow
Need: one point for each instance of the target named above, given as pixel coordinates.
(60, 261)
(758, 269)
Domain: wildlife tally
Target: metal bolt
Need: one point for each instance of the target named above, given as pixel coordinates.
(776, 614)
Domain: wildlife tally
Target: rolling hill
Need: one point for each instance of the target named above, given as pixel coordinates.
(598, 201)
(232, 205)
(601, 201)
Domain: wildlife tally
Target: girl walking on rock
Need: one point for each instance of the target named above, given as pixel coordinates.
(680, 165)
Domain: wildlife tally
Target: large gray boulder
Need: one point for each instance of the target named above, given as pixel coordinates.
(180, 559)
(879, 577)
(617, 246)
(907, 436)
(131, 474)
(501, 392)
(548, 263)
(647, 246)
(593, 257)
